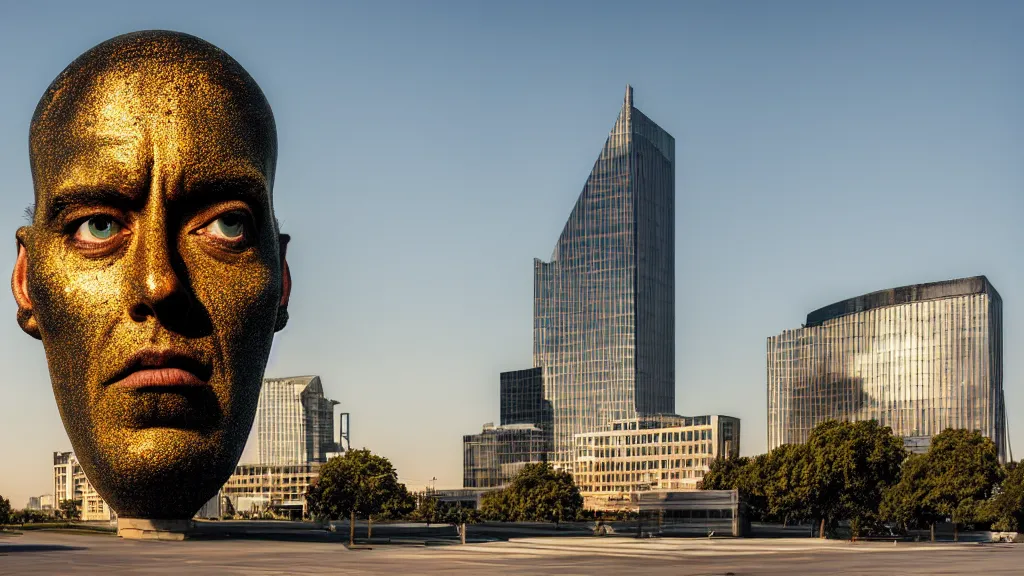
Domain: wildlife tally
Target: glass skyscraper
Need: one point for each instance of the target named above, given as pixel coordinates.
(918, 359)
(294, 421)
(604, 306)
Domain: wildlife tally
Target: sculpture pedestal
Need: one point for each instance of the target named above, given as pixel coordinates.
(146, 529)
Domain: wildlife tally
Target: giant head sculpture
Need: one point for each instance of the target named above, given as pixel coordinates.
(153, 270)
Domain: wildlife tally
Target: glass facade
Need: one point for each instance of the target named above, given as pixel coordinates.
(604, 306)
(294, 422)
(522, 398)
(918, 359)
(493, 457)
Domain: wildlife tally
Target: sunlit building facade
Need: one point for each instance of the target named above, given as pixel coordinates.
(70, 483)
(294, 422)
(604, 306)
(918, 359)
(664, 452)
(257, 488)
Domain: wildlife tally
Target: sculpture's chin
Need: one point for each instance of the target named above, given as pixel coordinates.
(158, 473)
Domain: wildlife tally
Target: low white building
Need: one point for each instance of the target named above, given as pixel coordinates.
(656, 453)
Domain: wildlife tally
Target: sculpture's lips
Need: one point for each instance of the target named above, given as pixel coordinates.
(159, 378)
(161, 369)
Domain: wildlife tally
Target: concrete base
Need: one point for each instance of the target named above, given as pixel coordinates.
(146, 529)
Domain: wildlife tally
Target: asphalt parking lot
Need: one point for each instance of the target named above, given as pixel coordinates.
(44, 552)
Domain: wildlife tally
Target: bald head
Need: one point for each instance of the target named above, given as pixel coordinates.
(153, 271)
(144, 90)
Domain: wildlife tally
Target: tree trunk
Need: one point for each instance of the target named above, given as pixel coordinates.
(369, 527)
(822, 533)
(956, 532)
(352, 529)
(933, 531)
(462, 532)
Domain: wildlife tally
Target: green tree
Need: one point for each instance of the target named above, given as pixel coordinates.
(1006, 508)
(849, 466)
(784, 480)
(426, 509)
(457, 515)
(5, 510)
(359, 483)
(70, 509)
(724, 473)
(537, 493)
(908, 501)
(400, 505)
(963, 467)
(497, 506)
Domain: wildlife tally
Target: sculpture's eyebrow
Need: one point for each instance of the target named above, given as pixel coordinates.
(251, 189)
(86, 196)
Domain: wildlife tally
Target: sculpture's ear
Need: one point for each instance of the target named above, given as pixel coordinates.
(19, 285)
(286, 284)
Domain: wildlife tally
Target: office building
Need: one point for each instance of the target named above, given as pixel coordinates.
(281, 489)
(295, 422)
(919, 359)
(659, 453)
(492, 458)
(604, 305)
(522, 401)
(70, 483)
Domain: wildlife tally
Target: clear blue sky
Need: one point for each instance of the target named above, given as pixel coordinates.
(430, 150)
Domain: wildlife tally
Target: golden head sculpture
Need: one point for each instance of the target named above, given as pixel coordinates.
(153, 270)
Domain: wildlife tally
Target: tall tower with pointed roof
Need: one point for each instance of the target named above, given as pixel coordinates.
(604, 305)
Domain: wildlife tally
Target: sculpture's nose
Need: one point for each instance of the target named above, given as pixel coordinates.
(158, 273)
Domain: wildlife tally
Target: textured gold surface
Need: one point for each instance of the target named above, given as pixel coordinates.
(156, 134)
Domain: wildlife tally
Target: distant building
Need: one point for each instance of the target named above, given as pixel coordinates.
(94, 508)
(918, 359)
(42, 503)
(603, 312)
(494, 456)
(295, 422)
(255, 488)
(68, 477)
(521, 397)
(664, 452)
(604, 305)
(70, 483)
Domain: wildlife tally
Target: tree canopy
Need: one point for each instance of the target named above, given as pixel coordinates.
(1006, 509)
(70, 509)
(849, 466)
(839, 474)
(358, 482)
(954, 480)
(859, 472)
(5, 510)
(537, 493)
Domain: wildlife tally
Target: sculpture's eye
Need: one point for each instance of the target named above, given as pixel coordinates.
(230, 226)
(97, 229)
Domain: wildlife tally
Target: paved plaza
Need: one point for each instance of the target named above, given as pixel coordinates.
(70, 553)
